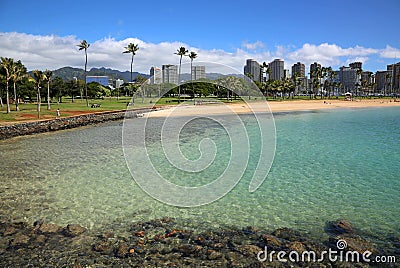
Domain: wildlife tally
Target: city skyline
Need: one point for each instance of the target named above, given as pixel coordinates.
(331, 35)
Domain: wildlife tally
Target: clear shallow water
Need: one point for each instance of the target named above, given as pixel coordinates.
(328, 165)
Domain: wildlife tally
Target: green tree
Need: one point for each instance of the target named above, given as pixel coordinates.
(192, 55)
(47, 78)
(58, 86)
(84, 45)
(140, 85)
(8, 65)
(131, 48)
(316, 83)
(18, 73)
(38, 76)
(296, 77)
(182, 51)
(359, 78)
(2, 83)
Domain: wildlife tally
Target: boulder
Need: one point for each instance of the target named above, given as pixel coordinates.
(104, 247)
(272, 241)
(352, 243)
(19, 240)
(73, 230)
(249, 250)
(340, 226)
(47, 228)
(122, 250)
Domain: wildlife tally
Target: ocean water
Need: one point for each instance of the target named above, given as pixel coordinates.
(329, 164)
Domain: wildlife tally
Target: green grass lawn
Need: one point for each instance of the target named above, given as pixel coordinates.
(28, 111)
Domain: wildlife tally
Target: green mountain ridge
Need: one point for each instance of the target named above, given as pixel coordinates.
(68, 73)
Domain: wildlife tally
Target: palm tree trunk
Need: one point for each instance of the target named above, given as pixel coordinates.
(191, 78)
(131, 68)
(179, 80)
(8, 99)
(48, 95)
(86, 96)
(38, 102)
(15, 98)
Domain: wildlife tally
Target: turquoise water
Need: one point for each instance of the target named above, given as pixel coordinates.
(329, 164)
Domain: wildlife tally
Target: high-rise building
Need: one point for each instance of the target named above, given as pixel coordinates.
(348, 78)
(170, 74)
(253, 68)
(382, 81)
(155, 75)
(367, 77)
(394, 70)
(299, 68)
(314, 66)
(356, 65)
(198, 72)
(286, 73)
(277, 69)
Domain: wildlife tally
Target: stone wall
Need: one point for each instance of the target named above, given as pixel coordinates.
(28, 128)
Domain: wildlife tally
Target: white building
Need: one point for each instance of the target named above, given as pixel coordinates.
(155, 75)
(170, 74)
(198, 72)
(119, 83)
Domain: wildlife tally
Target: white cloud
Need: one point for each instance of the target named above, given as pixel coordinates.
(52, 52)
(390, 52)
(253, 46)
(328, 54)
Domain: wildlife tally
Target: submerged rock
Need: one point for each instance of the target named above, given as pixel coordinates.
(340, 226)
(122, 250)
(73, 230)
(104, 247)
(19, 239)
(352, 243)
(47, 228)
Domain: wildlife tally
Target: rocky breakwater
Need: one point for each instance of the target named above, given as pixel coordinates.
(34, 127)
(165, 243)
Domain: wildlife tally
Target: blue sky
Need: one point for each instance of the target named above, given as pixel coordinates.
(331, 32)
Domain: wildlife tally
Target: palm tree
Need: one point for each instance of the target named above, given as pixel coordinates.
(332, 75)
(8, 65)
(18, 72)
(296, 77)
(182, 51)
(268, 82)
(47, 77)
(192, 55)
(359, 78)
(38, 75)
(131, 48)
(316, 83)
(388, 83)
(2, 76)
(84, 45)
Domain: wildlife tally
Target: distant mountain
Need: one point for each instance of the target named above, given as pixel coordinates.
(68, 73)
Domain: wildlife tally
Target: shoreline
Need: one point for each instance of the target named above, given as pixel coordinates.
(274, 106)
(15, 129)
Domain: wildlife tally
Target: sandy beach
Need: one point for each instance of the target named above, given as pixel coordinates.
(274, 106)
